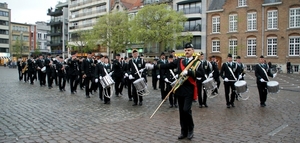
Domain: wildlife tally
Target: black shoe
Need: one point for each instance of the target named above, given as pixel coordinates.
(175, 105)
(190, 135)
(200, 106)
(61, 90)
(141, 103)
(92, 93)
(121, 93)
(72, 92)
(232, 104)
(262, 104)
(108, 102)
(181, 136)
(87, 96)
(134, 104)
(228, 106)
(205, 105)
(101, 99)
(81, 88)
(130, 99)
(171, 106)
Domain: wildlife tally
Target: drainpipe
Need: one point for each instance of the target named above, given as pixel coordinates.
(262, 30)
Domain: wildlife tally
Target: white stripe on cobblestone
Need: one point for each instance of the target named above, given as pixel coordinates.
(278, 130)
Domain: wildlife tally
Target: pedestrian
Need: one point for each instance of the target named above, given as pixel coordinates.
(262, 71)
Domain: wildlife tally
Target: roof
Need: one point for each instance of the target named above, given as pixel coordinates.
(216, 5)
(127, 4)
(271, 1)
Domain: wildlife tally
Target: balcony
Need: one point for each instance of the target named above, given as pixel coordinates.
(79, 5)
(87, 13)
(54, 43)
(56, 12)
(82, 26)
(191, 10)
(54, 22)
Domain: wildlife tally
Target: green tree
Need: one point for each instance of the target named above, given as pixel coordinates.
(161, 24)
(112, 31)
(18, 47)
(80, 41)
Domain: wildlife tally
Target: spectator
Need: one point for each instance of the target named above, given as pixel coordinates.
(288, 66)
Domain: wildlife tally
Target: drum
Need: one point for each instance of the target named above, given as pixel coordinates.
(208, 84)
(141, 87)
(43, 69)
(241, 86)
(273, 86)
(107, 81)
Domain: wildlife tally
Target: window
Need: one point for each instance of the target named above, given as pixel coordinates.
(215, 45)
(294, 46)
(3, 13)
(242, 3)
(2, 31)
(233, 23)
(272, 46)
(192, 25)
(2, 22)
(190, 8)
(251, 17)
(295, 17)
(233, 47)
(216, 24)
(272, 19)
(101, 8)
(3, 41)
(251, 47)
(196, 42)
(39, 35)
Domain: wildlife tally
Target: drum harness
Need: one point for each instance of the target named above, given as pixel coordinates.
(105, 90)
(145, 91)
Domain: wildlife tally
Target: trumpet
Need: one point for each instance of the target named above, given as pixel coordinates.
(182, 78)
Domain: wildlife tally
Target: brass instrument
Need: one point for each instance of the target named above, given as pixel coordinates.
(193, 65)
(25, 68)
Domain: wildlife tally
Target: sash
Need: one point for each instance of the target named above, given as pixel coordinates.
(231, 72)
(264, 72)
(191, 80)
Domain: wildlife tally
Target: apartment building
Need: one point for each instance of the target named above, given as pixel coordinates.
(21, 32)
(195, 11)
(58, 28)
(42, 30)
(83, 15)
(5, 18)
(250, 28)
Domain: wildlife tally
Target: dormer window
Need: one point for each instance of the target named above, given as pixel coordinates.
(242, 3)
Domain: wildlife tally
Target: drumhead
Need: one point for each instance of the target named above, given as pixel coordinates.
(208, 80)
(138, 80)
(272, 83)
(240, 83)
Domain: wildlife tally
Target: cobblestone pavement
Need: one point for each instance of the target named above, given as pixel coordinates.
(30, 113)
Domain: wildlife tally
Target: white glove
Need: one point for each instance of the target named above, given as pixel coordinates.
(210, 75)
(240, 76)
(176, 76)
(184, 72)
(226, 79)
(198, 78)
(274, 75)
(158, 76)
(131, 77)
(110, 73)
(126, 74)
(141, 70)
(262, 80)
(100, 77)
(96, 80)
(244, 75)
(149, 66)
(166, 80)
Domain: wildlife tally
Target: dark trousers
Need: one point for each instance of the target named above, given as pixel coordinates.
(20, 74)
(88, 89)
(263, 92)
(61, 82)
(42, 78)
(30, 76)
(201, 98)
(25, 76)
(118, 82)
(217, 79)
(73, 82)
(81, 81)
(154, 81)
(185, 113)
(162, 88)
(129, 85)
(172, 97)
(100, 91)
(227, 86)
(136, 98)
(49, 79)
(106, 93)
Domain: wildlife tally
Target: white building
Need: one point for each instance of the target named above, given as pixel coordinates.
(5, 17)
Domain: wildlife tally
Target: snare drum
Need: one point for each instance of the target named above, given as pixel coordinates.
(107, 81)
(141, 87)
(43, 69)
(273, 86)
(241, 86)
(208, 84)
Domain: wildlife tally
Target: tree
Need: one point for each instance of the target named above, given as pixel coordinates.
(161, 24)
(112, 31)
(18, 47)
(80, 41)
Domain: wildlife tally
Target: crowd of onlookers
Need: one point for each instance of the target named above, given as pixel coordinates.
(10, 64)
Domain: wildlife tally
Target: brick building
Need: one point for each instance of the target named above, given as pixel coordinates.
(250, 28)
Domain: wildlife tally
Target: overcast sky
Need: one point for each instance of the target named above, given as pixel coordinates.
(30, 11)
